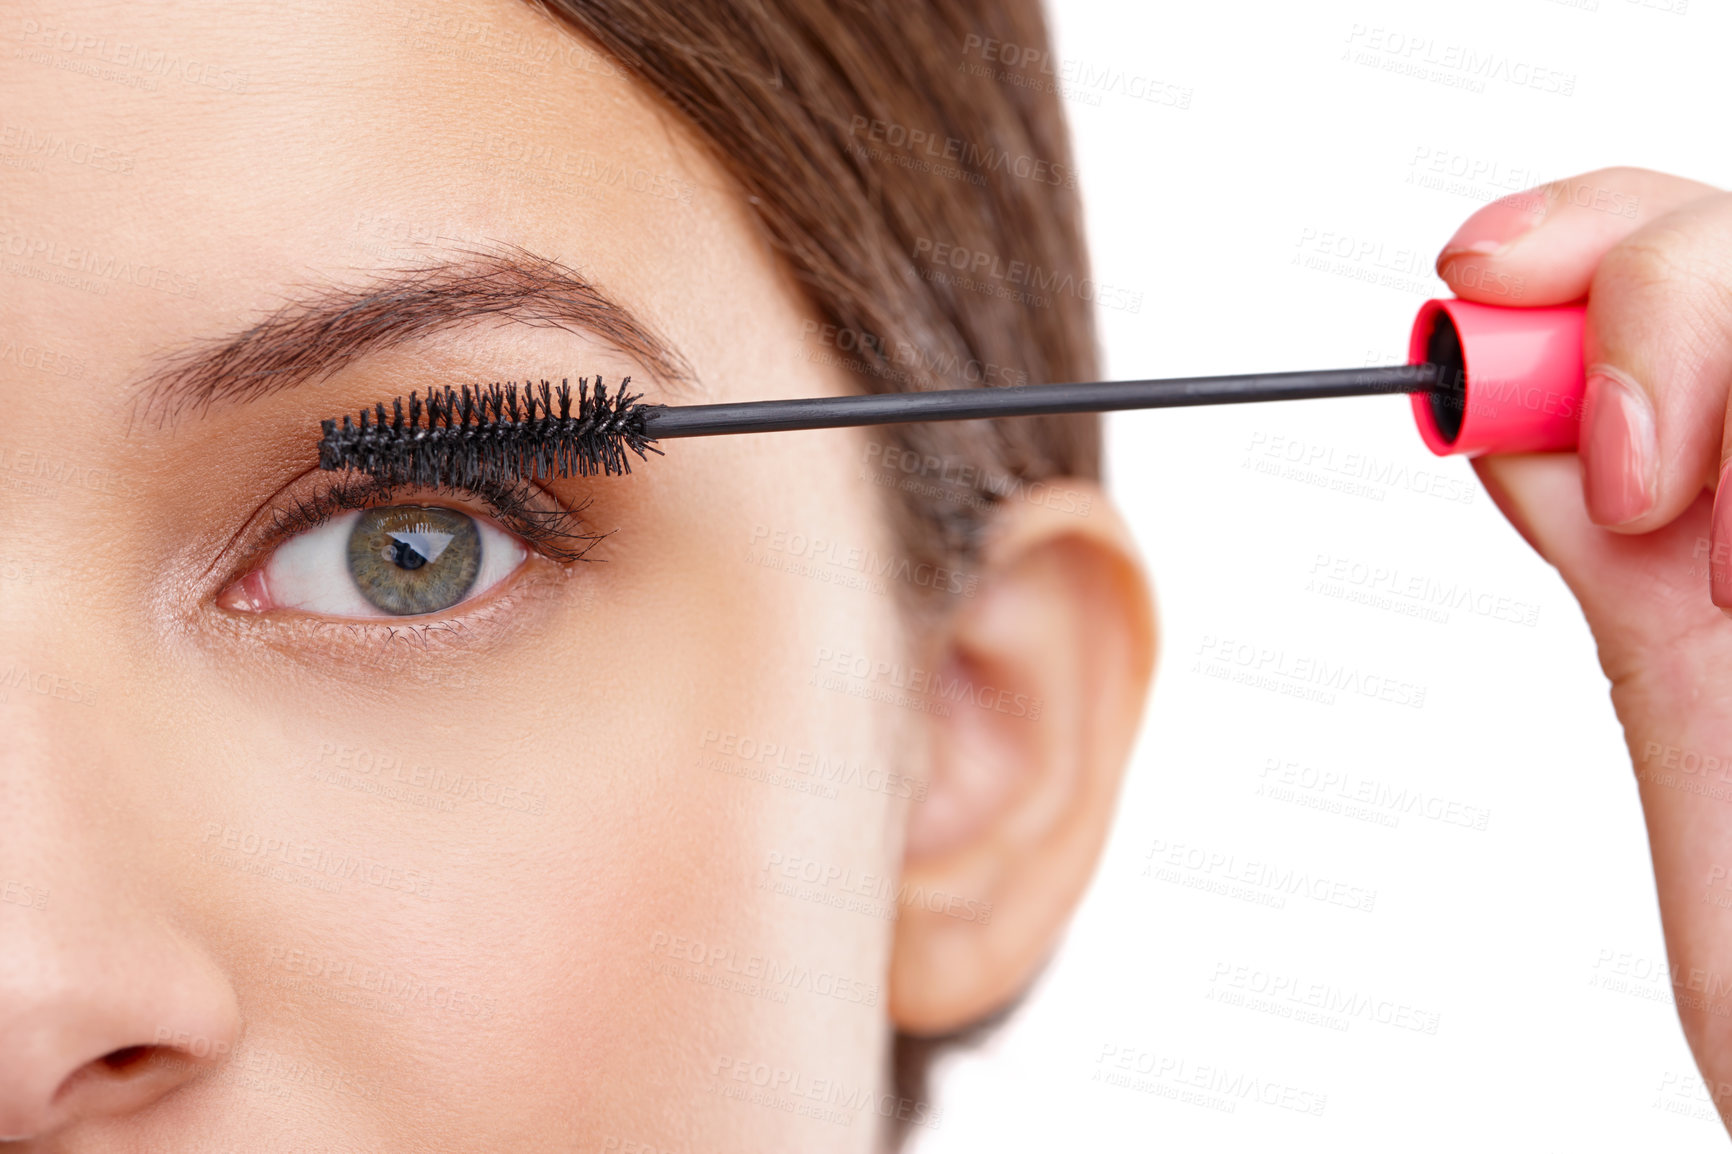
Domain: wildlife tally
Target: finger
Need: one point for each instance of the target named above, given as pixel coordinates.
(1540, 247)
(1659, 356)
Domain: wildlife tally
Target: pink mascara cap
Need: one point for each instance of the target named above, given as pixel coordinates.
(1515, 377)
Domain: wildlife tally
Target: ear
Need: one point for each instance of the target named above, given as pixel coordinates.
(1056, 648)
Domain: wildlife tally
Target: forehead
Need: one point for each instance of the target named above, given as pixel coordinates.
(169, 168)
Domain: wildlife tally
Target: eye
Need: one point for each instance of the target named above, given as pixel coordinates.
(390, 561)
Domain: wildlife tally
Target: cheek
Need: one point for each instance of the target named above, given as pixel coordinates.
(713, 881)
(739, 841)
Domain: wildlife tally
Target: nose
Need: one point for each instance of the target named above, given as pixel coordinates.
(101, 1017)
(107, 1002)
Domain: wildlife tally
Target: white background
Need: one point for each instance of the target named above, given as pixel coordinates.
(1533, 944)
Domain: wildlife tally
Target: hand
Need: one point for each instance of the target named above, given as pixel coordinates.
(1629, 520)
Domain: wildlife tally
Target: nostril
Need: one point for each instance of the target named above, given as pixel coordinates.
(126, 1058)
(124, 1079)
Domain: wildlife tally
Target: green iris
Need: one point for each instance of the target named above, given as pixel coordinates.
(409, 559)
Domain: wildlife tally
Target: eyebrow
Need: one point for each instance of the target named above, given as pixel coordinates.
(325, 329)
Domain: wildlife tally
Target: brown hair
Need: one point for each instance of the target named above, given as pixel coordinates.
(876, 142)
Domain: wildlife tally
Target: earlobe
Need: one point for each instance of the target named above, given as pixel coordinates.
(1056, 651)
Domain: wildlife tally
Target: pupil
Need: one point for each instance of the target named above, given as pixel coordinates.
(403, 555)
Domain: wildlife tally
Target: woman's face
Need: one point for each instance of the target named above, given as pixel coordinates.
(597, 854)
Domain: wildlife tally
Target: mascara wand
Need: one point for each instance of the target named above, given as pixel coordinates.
(1030, 401)
(1482, 379)
(496, 433)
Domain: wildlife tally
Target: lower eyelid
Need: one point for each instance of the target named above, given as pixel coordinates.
(380, 655)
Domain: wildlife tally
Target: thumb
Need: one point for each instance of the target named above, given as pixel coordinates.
(1641, 594)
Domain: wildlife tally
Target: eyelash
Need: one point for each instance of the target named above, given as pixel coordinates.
(558, 533)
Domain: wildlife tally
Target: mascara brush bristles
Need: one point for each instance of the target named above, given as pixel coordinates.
(477, 436)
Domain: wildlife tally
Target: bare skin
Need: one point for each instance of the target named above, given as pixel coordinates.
(502, 876)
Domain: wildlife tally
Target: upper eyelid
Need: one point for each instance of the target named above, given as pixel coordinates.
(294, 515)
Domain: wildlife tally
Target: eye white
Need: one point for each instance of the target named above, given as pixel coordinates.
(310, 571)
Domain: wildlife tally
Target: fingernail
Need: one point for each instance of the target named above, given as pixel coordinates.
(1618, 449)
(1719, 540)
(1494, 227)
